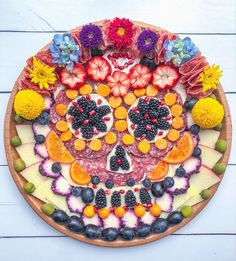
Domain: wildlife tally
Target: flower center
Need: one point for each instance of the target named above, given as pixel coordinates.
(147, 41)
(41, 74)
(121, 31)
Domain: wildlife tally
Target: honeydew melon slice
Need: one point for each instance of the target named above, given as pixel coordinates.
(25, 133)
(27, 154)
(208, 137)
(209, 156)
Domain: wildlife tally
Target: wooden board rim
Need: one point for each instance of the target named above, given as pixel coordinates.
(9, 129)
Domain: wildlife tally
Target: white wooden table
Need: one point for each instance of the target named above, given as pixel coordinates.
(25, 26)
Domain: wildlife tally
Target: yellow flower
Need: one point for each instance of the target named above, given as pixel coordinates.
(210, 77)
(41, 74)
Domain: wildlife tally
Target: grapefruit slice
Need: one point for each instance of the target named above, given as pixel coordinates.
(56, 149)
(78, 174)
(182, 151)
(160, 171)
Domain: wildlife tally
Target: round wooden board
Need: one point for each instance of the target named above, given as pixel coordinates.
(9, 131)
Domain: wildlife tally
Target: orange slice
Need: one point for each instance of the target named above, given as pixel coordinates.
(71, 94)
(103, 90)
(95, 145)
(177, 123)
(160, 171)
(79, 144)
(121, 125)
(62, 126)
(170, 99)
(151, 91)
(128, 139)
(139, 92)
(66, 135)
(115, 101)
(110, 137)
(161, 144)
(56, 149)
(129, 98)
(173, 135)
(61, 109)
(120, 112)
(78, 174)
(144, 146)
(182, 151)
(176, 110)
(86, 89)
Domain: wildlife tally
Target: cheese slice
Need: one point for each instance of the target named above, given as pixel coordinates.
(209, 156)
(25, 133)
(208, 137)
(27, 154)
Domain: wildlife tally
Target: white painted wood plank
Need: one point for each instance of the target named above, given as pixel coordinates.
(177, 16)
(218, 217)
(182, 248)
(218, 49)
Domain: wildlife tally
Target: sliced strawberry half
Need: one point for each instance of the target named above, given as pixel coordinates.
(119, 83)
(75, 78)
(98, 69)
(165, 77)
(140, 76)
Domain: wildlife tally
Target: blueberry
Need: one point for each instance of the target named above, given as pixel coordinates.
(96, 52)
(143, 230)
(127, 233)
(157, 189)
(130, 182)
(95, 180)
(109, 183)
(39, 138)
(110, 234)
(168, 182)
(175, 218)
(197, 152)
(147, 183)
(43, 118)
(148, 62)
(159, 226)
(180, 172)
(59, 216)
(56, 167)
(194, 129)
(92, 231)
(77, 191)
(188, 105)
(75, 224)
(87, 195)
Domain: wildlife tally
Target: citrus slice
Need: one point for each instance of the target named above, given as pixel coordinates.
(71, 94)
(103, 90)
(110, 138)
(182, 151)
(129, 98)
(56, 149)
(78, 174)
(86, 89)
(160, 171)
(115, 102)
(120, 112)
(61, 109)
(140, 92)
(151, 91)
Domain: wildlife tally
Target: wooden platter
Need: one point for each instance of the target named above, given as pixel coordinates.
(11, 154)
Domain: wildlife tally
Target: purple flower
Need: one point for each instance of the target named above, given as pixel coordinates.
(90, 36)
(147, 41)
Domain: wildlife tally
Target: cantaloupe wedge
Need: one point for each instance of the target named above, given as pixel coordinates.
(27, 154)
(25, 133)
(209, 156)
(208, 137)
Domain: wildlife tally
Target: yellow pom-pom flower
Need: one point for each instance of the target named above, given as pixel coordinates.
(207, 113)
(210, 77)
(41, 74)
(28, 104)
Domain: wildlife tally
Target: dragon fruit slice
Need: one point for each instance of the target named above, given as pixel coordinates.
(75, 204)
(181, 185)
(45, 168)
(40, 149)
(112, 221)
(165, 202)
(130, 219)
(148, 218)
(40, 129)
(95, 220)
(192, 165)
(48, 102)
(60, 186)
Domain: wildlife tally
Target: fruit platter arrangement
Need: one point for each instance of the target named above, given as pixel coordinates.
(118, 133)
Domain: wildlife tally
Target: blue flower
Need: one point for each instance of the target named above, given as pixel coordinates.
(179, 51)
(65, 51)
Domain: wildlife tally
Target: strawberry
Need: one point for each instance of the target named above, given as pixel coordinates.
(98, 69)
(119, 83)
(140, 76)
(165, 77)
(75, 78)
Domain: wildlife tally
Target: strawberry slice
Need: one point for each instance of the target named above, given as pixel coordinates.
(98, 69)
(75, 78)
(119, 83)
(165, 77)
(140, 76)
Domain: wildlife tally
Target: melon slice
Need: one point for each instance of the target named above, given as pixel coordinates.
(209, 156)
(208, 137)
(204, 179)
(27, 154)
(25, 133)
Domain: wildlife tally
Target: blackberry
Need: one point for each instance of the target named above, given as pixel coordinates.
(148, 62)
(120, 152)
(76, 124)
(94, 118)
(140, 131)
(125, 164)
(130, 199)
(143, 106)
(162, 124)
(153, 104)
(113, 164)
(82, 102)
(144, 196)
(150, 135)
(134, 116)
(101, 199)
(162, 112)
(103, 110)
(115, 199)
(87, 131)
(90, 106)
(100, 126)
(153, 114)
(73, 111)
